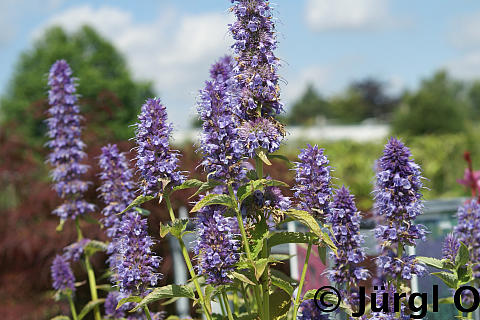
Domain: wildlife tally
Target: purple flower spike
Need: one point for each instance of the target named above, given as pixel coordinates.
(64, 131)
(256, 71)
(398, 202)
(219, 143)
(345, 221)
(450, 247)
(74, 251)
(468, 231)
(62, 274)
(137, 264)
(156, 162)
(261, 133)
(309, 311)
(312, 180)
(217, 246)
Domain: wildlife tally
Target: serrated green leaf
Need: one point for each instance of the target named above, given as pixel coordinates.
(263, 156)
(252, 175)
(135, 299)
(242, 277)
(178, 227)
(432, 262)
(210, 184)
(448, 278)
(164, 229)
(259, 233)
(308, 220)
(211, 199)
(169, 291)
(278, 238)
(246, 316)
(282, 284)
(464, 274)
(462, 255)
(190, 183)
(143, 212)
(138, 201)
(260, 266)
(280, 302)
(88, 307)
(322, 253)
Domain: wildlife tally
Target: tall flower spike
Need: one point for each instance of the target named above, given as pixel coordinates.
(468, 231)
(62, 274)
(137, 264)
(157, 163)
(312, 181)
(261, 133)
(345, 221)
(398, 202)
(450, 247)
(217, 246)
(219, 143)
(64, 131)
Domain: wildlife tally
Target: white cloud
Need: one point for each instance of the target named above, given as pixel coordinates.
(466, 66)
(175, 51)
(325, 15)
(466, 31)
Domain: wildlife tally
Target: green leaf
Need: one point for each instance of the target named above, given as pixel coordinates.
(178, 227)
(143, 212)
(464, 274)
(210, 184)
(263, 156)
(242, 277)
(135, 299)
(282, 284)
(94, 246)
(462, 256)
(310, 294)
(138, 201)
(260, 266)
(322, 253)
(252, 175)
(448, 278)
(60, 318)
(210, 199)
(191, 183)
(432, 262)
(246, 316)
(448, 300)
(164, 229)
(280, 302)
(105, 287)
(278, 238)
(60, 226)
(259, 233)
(308, 220)
(88, 307)
(169, 291)
(280, 157)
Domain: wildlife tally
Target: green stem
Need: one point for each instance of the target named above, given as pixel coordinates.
(189, 263)
(302, 280)
(245, 243)
(90, 273)
(147, 312)
(245, 299)
(72, 307)
(227, 305)
(259, 167)
(399, 276)
(236, 308)
(222, 305)
(265, 283)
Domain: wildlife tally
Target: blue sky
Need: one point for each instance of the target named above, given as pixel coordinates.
(325, 42)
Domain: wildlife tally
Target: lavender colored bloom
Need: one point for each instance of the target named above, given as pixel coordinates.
(219, 143)
(137, 264)
(261, 133)
(450, 247)
(468, 231)
(256, 70)
(156, 162)
(309, 311)
(398, 202)
(312, 180)
(117, 189)
(111, 311)
(62, 274)
(389, 302)
(345, 221)
(74, 251)
(217, 246)
(64, 131)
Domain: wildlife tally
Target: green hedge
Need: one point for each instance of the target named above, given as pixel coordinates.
(440, 156)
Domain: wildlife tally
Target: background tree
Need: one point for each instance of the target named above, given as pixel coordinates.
(110, 98)
(439, 106)
(380, 104)
(308, 108)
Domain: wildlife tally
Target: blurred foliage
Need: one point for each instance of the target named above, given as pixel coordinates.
(361, 100)
(439, 106)
(440, 156)
(107, 89)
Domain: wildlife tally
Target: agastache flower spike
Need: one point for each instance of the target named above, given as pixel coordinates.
(309, 311)
(157, 163)
(64, 131)
(468, 231)
(345, 221)
(261, 133)
(217, 246)
(312, 180)
(62, 274)
(450, 247)
(398, 202)
(219, 142)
